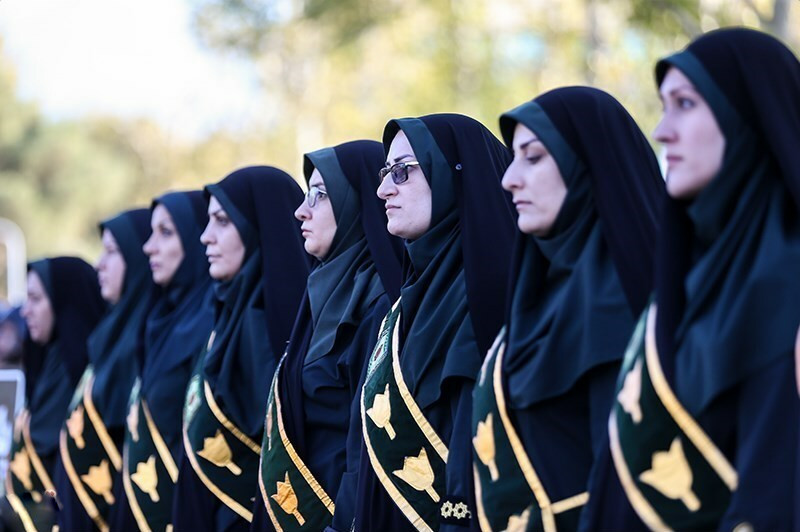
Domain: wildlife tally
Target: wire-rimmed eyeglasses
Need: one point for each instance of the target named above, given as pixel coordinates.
(314, 194)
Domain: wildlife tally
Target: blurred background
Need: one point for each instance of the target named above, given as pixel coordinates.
(107, 103)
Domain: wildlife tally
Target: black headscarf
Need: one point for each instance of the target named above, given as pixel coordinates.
(339, 287)
(725, 287)
(181, 320)
(458, 269)
(256, 309)
(363, 263)
(52, 371)
(576, 292)
(116, 347)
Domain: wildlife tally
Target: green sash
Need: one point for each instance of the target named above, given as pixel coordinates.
(509, 493)
(294, 499)
(405, 452)
(149, 472)
(672, 473)
(223, 457)
(28, 475)
(90, 457)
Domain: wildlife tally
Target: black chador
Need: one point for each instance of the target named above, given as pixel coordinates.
(51, 371)
(542, 399)
(703, 433)
(225, 402)
(416, 404)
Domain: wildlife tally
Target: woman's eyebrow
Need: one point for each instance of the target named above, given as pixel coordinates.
(527, 143)
(685, 86)
(399, 158)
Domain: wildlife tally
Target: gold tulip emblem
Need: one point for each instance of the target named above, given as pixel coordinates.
(672, 476)
(518, 523)
(217, 451)
(381, 412)
(146, 478)
(99, 480)
(21, 467)
(484, 445)
(287, 499)
(418, 473)
(75, 426)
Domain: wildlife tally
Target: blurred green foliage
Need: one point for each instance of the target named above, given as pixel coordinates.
(335, 70)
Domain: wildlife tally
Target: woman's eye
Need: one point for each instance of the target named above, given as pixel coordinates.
(533, 159)
(685, 103)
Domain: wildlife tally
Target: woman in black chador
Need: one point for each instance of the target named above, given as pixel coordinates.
(585, 184)
(312, 413)
(703, 432)
(62, 308)
(441, 188)
(256, 258)
(91, 437)
(176, 330)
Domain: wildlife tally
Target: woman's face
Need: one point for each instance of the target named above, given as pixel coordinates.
(224, 246)
(408, 205)
(319, 223)
(692, 140)
(164, 248)
(535, 183)
(110, 269)
(37, 310)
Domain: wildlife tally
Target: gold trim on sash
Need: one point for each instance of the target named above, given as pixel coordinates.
(643, 508)
(22, 512)
(162, 448)
(136, 510)
(318, 490)
(297, 461)
(394, 493)
(413, 408)
(403, 505)
(33, 456)
(99, 427)
(223, 419)
(685, 421)
(570, 503)
(483, 521)
(8, 481)
(77, 485)
(265, 499)
(221, 495)
(545, 507)
(686, 424)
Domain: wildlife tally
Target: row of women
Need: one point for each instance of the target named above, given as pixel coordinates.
(530, 335)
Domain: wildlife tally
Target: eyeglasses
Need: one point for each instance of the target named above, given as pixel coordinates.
(399, 172)
(314, 194)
